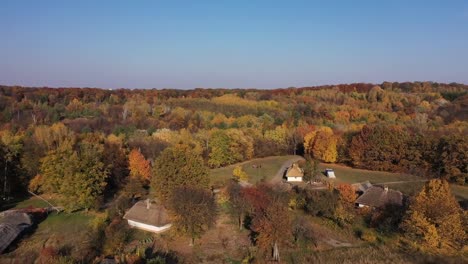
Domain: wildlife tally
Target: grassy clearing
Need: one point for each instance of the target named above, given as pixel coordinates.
(352, 175)
(33, 202)
(413, 185)
(67, 232)
(269, 167)
(408, 188)
(460, 192)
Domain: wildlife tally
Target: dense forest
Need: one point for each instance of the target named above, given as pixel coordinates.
(417, 127)
(101, 150)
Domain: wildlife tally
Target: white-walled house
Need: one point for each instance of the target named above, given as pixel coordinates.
(294, 173)
(149, 217)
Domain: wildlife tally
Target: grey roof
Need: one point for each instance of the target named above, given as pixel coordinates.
(378, 196)
(362, 187)
(12, 224)
(156, 215)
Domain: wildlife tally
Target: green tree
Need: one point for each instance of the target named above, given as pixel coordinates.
(308, 169)
(178, 166)
(316, 170)
(85, 186)
(194, 211)
(79, 176)
(220, 153)
(12, 146)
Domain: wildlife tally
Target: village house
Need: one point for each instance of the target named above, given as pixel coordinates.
(149, 217)
(294, 173)
(379, 196)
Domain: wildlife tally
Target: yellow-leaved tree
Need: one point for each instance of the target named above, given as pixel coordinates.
(434, 221)
(239, 174)
(321, 144)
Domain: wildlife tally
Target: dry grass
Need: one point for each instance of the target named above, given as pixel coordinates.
(395, 181)
(269, 168)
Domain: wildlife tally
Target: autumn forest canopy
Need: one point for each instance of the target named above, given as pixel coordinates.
(100, 151)
(418, 127)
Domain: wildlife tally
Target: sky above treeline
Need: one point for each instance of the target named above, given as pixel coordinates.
(231, 44)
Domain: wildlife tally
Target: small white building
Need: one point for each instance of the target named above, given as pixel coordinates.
(330, 173)
(294, 173)
(149, 217)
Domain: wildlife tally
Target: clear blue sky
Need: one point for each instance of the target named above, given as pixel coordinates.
(238, 43)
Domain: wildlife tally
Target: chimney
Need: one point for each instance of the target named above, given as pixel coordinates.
(148, 204)
(385, 188)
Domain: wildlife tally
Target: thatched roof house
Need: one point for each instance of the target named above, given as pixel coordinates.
(361, 187)
(379, 196)
(12, 225)
(294, 173)
(147, 216)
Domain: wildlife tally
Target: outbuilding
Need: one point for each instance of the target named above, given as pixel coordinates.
(149, 217)
(330, 173)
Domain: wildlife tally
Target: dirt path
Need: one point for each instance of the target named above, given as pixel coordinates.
(336, 244)
(279, 175)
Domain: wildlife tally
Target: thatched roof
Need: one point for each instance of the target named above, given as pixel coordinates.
(294, 171)
(378, 196)
(12, 224)
(362, 187)
(155, 215)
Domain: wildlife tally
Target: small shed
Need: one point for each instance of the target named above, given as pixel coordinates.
(330, 173)
(149, 217)
(294, 173)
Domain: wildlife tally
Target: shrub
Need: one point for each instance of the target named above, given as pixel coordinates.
(368, 236)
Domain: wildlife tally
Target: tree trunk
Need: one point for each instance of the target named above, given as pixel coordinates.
(5, 180)
(241, 221)
(276, 256)
(192, 241)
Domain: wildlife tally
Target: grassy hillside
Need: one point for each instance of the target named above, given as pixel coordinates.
(269, 167)
(406, 183)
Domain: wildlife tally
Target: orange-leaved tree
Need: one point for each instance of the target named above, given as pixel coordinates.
(139, 167)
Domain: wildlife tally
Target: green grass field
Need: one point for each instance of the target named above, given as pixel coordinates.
(352, 175)
(33, 202)
(413, 186)
(64, 231)
(269, 167)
